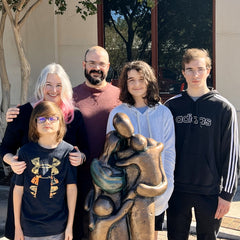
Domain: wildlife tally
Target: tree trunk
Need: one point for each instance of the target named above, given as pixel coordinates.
(24, 64)
(129, 43)
(5, 85)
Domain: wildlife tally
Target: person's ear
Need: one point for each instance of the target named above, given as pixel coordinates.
(208, 71)
(183, 73)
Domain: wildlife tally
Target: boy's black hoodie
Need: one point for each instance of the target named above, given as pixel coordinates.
(207, 150)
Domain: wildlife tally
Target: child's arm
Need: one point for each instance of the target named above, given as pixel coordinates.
(71, 202)
(17, 203)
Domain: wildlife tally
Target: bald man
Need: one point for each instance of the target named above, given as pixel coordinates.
(95, 98)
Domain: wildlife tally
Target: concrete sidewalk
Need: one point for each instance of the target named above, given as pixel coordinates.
(3, 208)
(230, 228)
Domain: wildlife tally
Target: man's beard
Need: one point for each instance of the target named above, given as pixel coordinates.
(94, 80)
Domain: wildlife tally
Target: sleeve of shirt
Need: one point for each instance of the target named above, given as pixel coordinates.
(168, 159)
(71, 177)
(19, 180)
(229, 153)
(12, 137)
(110, 126)
(81, 133)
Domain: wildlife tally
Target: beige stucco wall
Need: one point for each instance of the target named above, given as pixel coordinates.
(74, 36)
(12, 63)
(49, 38)
(64, 39)
(228, 50)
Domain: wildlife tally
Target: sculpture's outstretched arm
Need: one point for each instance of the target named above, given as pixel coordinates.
(152, 191)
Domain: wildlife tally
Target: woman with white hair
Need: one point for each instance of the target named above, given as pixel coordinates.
(52, 85)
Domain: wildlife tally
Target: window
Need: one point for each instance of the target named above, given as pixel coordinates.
(127, 32)
(128, 29)
(181, 24)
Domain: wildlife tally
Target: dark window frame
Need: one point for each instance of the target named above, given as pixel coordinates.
(100, 29)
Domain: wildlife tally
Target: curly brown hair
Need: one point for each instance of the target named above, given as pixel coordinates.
(152, 97)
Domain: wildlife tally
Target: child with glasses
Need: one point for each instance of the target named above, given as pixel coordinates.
(40, 208)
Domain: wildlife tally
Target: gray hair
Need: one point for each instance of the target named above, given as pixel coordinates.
(66, 93)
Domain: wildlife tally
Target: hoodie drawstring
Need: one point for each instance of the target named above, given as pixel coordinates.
(138, 121)
(148, 123)
(149, 126)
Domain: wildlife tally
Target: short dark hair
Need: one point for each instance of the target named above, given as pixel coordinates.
(97, 49)
(152, 97)
(46, 109)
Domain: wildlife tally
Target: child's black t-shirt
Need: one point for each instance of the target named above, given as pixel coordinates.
(44, 207)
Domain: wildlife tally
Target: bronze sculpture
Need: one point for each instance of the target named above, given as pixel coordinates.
(126, 178)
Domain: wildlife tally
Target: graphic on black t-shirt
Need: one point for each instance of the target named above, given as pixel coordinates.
(44, 170)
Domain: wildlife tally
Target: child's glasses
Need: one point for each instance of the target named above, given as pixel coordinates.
(44, 119)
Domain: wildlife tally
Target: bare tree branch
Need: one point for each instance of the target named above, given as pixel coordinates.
(20, 6)
(8, 10)
(5, 85)
(30, 9)
(3, 19)
(116, 29)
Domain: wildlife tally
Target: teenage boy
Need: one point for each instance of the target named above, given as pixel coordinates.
(207, 153)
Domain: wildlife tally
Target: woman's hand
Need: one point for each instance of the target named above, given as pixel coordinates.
(12, 160)
(17, 166)
(77, 158)
(12, 113)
